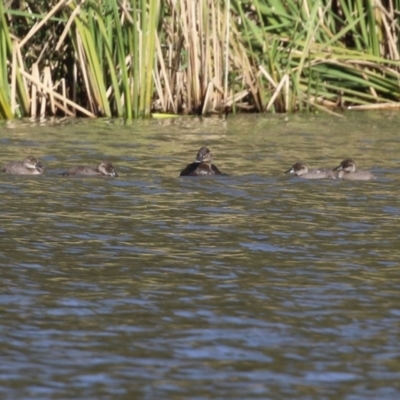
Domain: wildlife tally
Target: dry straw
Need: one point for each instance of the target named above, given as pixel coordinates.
(131, 58)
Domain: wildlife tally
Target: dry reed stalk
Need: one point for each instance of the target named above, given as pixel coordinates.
(158, 87)
(168, 98)
(67, 28)
(227, 37)
(206, 50)
(202, 41)
(186, 44)
(43, 99)
(74, 79)
(196, 35)
(217, 62)
(56, 95)
(207, 98)
(287, 93)
(236, 97)
(189, 25)
(64, 109)
(14, 69)
(125, 13)
(380, 106)
(85, 73)
(34, 90)
(209, 54)
(311, 102)
(64, 95)
(277, 91)
(38, 26)
(20, 65)
(392, 38)
(49, 83)
(267, 75)
(248, 75)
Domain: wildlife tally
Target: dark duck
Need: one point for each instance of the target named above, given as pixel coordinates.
(202, 165)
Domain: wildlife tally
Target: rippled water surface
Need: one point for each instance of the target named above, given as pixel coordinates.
(251, 285)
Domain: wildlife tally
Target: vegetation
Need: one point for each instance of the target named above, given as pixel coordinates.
(129, 58)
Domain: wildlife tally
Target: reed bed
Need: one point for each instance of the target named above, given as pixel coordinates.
(132, 58)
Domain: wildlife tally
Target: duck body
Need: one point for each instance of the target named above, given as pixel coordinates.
(348, 171)
(202, 166)
(103, 169)
(200, 169)
(301, 170)
(30, 166)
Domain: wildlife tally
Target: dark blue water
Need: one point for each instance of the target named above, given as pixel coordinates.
(151, 286)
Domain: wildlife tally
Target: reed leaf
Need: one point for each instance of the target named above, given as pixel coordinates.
(92, 61)
(132, 58)
(116, 34)
(10, 104)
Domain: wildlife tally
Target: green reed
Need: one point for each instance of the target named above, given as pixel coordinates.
(134, 58)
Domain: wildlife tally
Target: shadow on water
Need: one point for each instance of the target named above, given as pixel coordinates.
(251, 285)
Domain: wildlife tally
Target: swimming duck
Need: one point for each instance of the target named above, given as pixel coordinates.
(348, 171)
(103, 169)
(202, 165)
(30, 166)
(301, 170)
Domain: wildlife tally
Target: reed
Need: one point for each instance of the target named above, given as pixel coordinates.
(132, 58)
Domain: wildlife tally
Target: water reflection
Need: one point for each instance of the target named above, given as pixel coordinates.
(252, 285)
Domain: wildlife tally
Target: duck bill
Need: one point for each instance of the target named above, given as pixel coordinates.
(338, 168)
(290, 171)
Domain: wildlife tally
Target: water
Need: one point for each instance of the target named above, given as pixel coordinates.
(249, 286)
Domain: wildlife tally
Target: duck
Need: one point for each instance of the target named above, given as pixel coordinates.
(301, 170)
(202, 165)
(348, 171)
(30, 166)
(103, 169)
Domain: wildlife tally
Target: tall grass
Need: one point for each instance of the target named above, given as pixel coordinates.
(132, 58)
